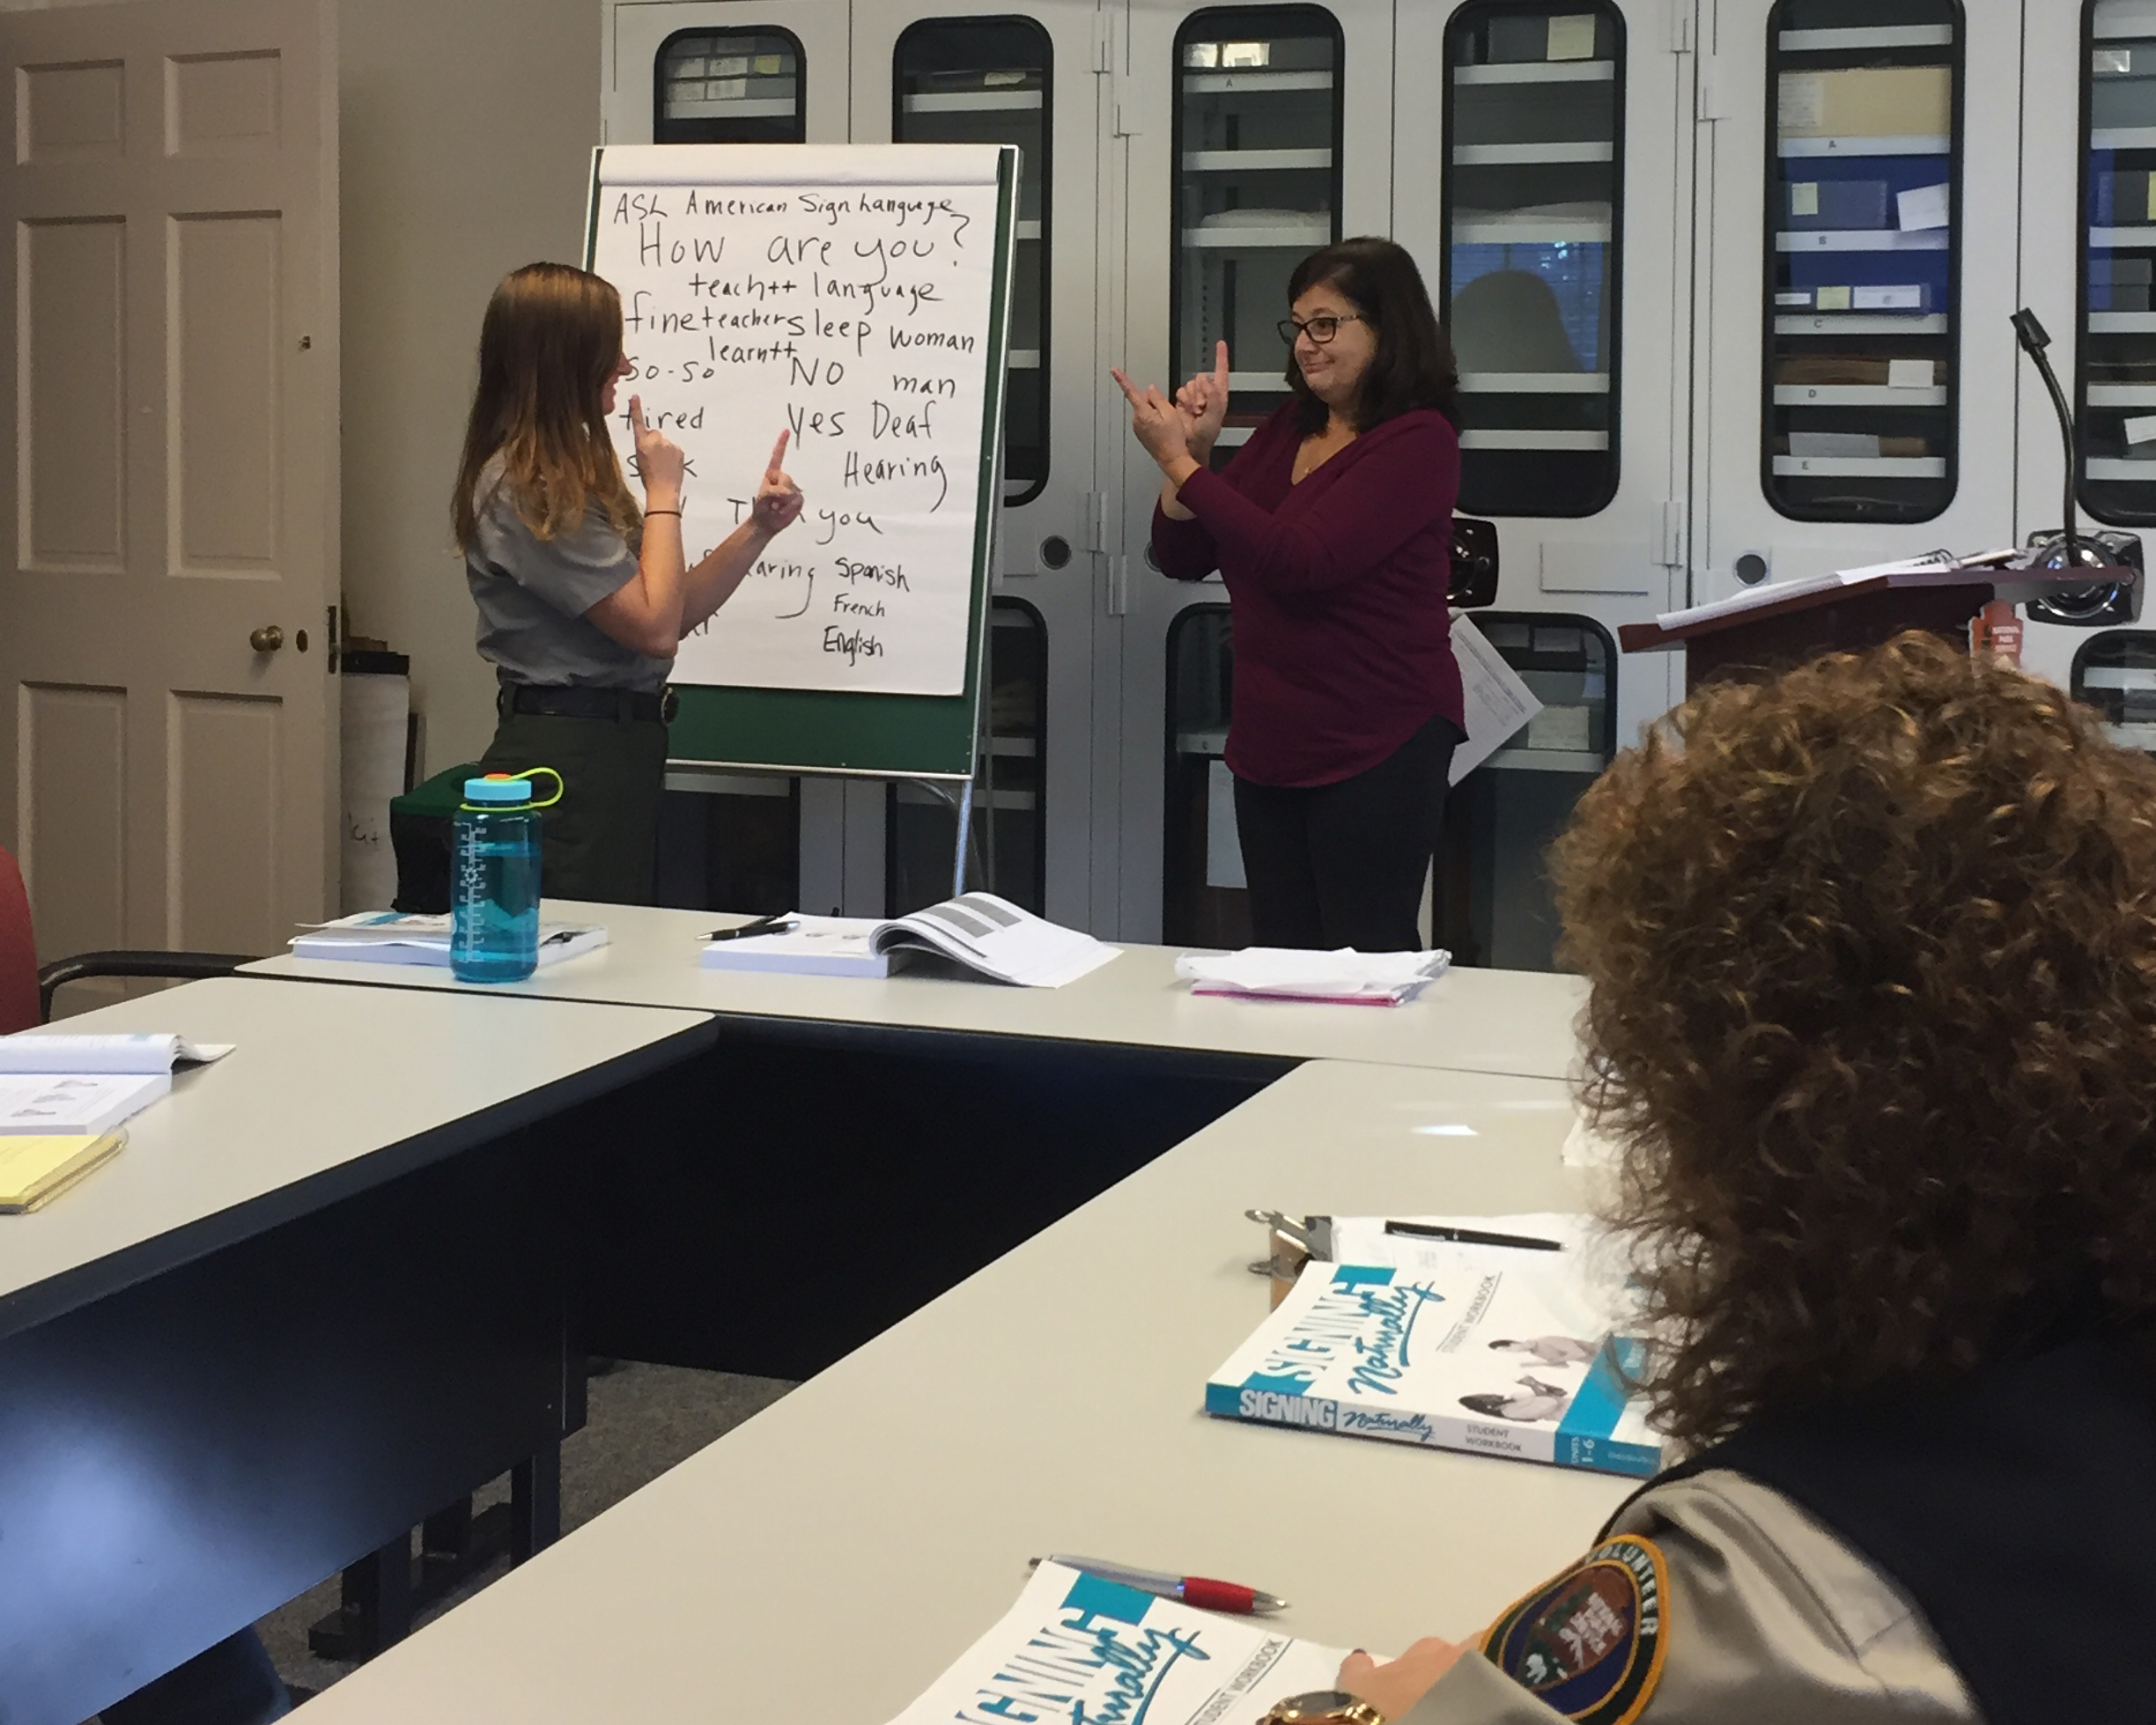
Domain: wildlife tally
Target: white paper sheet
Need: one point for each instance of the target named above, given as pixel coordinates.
(1498, 701)
(844, 295)
(132, 1051)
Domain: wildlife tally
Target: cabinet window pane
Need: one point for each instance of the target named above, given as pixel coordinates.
(2116, 355)
(1533, 197)
(1257, 150)
(730, 87)
(1863, 184)
(975, 80)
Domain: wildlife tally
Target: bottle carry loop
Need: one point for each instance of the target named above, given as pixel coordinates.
(561, 786)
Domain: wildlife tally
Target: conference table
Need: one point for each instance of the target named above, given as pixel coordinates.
(1516, 1021)
(826, 1560)
(343, 1276)
(317, 1295)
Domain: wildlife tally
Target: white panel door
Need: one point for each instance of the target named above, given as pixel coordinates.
(1045, 502)
(171, 524)
(1623, 561)
(1161, 250)
(1861, 426)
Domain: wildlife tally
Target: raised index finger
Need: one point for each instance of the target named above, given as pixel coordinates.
(1220, 366)
(778, 450)
(636, 415)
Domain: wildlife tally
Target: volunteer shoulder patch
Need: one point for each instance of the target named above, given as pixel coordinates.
(1589, 1644)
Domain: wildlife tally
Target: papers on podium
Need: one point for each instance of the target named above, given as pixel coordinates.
(1494, 1350)
(1076, 1647)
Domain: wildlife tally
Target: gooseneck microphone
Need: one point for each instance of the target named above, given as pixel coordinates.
(2034, 341)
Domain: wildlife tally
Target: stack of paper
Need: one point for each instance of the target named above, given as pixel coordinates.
(812, 946)
(34, 1170)
(128, 1051)
(1346, 977)
(394, 937)
(1077, 1646)
(62, 1085)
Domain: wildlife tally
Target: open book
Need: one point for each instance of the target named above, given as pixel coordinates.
(1077, 1646)
(1515, 1350)
(985, 933)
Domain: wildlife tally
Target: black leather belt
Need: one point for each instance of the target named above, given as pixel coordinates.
(552, 701)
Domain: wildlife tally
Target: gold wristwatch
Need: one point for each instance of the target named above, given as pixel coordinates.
(1324, 1706)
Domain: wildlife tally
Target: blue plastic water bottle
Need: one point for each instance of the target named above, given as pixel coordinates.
(494, 879)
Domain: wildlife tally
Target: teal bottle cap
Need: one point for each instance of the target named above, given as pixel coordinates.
(497, 788)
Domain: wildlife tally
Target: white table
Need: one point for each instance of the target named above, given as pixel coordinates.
(317, 1297)
(326, 1092)
(1515, 1021)
(824, 1561)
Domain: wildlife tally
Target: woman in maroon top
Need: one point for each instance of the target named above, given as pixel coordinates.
(1332, 529)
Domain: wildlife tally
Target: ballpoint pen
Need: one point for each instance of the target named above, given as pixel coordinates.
(1472, 1236)
(1206, 1595)
(761, 926)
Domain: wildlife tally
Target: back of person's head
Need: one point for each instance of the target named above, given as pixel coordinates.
(550, 341)
(1872, 951)
(1414, 365)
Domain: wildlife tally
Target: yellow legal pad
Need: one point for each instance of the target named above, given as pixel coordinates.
(35, 1170)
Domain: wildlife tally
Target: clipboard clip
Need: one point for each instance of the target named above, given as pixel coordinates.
(1290, 1245)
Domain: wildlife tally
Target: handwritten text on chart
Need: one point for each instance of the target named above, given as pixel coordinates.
(857, 319)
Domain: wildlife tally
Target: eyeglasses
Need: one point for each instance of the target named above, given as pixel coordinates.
(1319, 330)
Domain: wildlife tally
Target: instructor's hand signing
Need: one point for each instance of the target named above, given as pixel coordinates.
(659, 461)
(778, 498)
(1179, 434)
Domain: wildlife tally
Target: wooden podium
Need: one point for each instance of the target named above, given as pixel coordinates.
(1769, 631)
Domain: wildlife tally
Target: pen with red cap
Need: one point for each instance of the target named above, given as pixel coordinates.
(1207, 1595)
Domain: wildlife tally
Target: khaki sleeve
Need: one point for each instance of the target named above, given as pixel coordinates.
(1773, 1621)
(1765, 1617)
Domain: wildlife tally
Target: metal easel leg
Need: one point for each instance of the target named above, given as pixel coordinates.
(965, 833)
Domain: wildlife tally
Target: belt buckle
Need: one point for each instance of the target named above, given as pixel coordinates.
(669, 704)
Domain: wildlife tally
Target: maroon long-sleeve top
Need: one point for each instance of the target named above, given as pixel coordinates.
(1343, 644)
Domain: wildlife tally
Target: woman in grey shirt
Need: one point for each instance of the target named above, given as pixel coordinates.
(584, 598)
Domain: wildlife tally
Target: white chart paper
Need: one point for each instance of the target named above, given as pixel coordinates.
(845, 295)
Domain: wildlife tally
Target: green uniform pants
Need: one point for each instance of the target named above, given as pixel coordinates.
(600, 841)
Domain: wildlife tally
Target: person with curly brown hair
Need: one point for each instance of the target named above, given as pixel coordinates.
(1871, 950)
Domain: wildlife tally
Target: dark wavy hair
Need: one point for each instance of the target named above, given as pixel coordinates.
(1413, 366)
(1872, 951)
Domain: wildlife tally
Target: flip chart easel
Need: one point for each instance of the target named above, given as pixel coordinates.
(858, 297)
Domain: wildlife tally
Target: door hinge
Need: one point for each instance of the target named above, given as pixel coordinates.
(1119, 586)
(1672, 553)
(1680, 22)
(1104, 43)
(1097, 520)
(1129, 120)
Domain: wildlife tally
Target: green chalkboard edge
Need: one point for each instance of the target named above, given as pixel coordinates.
(815, 732)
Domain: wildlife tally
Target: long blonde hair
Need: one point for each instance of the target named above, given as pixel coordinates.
(550, 340)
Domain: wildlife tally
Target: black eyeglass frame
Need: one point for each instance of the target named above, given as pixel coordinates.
(1289, 329)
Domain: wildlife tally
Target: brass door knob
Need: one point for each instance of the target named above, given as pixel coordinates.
(267, 638)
